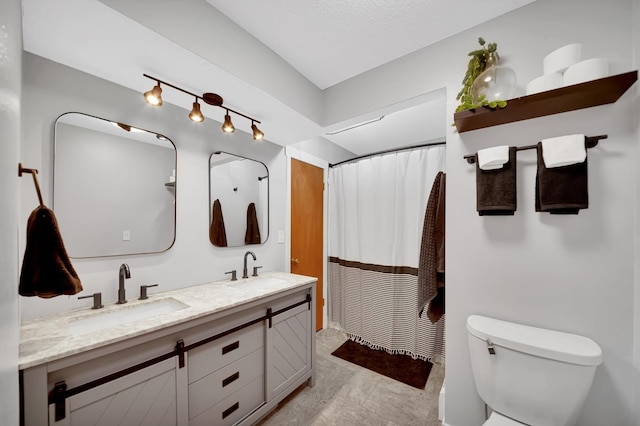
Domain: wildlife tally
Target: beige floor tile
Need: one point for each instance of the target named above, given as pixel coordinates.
(348, 395)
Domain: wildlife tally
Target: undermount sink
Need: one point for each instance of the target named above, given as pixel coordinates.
(126, 314)
(257, 282)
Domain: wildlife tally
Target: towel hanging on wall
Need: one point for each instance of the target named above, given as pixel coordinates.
(431, 264)
(496, 189)
(561, 190)
(46, 269)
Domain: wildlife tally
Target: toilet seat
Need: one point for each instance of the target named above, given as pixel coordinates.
(497, 419)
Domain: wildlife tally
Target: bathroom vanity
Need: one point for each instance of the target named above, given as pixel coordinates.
(219, 353)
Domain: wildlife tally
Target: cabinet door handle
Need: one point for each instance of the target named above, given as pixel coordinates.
(232, 347)
(232, 378)
(230, 410)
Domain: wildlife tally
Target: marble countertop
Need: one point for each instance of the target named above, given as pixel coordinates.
(52, 337)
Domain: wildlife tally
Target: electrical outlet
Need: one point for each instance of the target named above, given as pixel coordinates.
(126, 236)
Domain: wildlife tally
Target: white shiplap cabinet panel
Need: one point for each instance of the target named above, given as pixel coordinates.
(290, 354)
(146, 397)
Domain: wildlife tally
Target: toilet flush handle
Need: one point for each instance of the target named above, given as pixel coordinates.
(490, 347)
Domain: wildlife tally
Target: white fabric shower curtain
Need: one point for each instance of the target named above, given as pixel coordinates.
(376, 213)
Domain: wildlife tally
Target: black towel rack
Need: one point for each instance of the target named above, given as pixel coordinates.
(34, 173)
(590, 142)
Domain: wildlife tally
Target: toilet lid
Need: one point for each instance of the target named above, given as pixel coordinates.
(497, 419)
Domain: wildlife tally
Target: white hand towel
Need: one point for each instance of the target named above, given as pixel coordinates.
(563, 151)
(493, 158)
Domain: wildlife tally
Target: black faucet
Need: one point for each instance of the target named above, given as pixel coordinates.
(124, 274)
(245, 274)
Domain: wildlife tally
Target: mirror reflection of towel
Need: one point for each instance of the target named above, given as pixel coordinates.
(252, 236)
(46, 269)
(217, 233)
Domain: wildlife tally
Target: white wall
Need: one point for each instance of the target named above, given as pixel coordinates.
(570, 273)
(10, 98)
(51, 89)
(636, 109)
(325, 149)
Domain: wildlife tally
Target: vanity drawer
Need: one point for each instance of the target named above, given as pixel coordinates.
(234, 407)
(208, 358)
(215, 387)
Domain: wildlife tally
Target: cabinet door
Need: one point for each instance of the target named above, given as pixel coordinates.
(146, 397)
(290, 350)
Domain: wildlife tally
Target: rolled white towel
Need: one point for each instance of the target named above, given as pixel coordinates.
(563, 150)
(493, 158)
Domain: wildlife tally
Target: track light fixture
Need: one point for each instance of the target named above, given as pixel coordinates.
(154, 98)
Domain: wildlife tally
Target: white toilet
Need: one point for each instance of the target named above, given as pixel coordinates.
(530, 375)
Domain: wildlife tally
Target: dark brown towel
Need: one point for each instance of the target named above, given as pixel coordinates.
(252, 236)
(431, 264)
(217, 233)
(46, 269)
(496, 189)
(561, 190)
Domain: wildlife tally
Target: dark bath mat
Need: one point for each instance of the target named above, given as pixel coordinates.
(413, 372)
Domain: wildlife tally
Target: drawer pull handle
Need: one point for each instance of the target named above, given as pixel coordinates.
(232, 347)
(230, 410)
(232, 378)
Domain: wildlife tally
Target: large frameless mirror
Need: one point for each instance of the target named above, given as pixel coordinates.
(114, 187)
(238, 201)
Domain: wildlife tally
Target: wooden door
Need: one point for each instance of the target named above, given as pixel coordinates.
(307, 215)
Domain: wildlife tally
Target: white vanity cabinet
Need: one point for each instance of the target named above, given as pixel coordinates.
(228, 368)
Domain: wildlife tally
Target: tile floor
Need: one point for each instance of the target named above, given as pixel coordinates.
(348, 395)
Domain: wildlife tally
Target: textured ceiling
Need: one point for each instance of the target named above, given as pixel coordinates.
(329, 41)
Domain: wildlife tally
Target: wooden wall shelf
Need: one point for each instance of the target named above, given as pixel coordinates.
(584, 95)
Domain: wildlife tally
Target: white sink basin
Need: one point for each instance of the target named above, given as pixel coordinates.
(126, 314)
(257, 282)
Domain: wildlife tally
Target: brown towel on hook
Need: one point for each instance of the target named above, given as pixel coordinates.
(46, 269)
(252, 236)
(496, 189)
(561, 190)
(431, 265)
(217, 233)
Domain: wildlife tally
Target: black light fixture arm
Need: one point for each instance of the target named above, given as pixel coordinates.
(221, 105)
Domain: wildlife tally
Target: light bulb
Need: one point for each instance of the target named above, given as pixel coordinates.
(154, 96)
(257, 134)
(227, 126)
(195, 114)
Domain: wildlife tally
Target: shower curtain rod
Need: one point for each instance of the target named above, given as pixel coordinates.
(388, 151)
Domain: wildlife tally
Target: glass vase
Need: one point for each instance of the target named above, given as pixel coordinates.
(497, 82)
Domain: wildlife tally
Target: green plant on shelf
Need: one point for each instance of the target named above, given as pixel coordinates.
(477, 64)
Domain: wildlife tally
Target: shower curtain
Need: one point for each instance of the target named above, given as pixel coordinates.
(376, 213)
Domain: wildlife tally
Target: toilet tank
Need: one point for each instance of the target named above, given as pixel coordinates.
(535, 376)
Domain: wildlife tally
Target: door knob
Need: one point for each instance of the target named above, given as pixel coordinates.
(295, 260)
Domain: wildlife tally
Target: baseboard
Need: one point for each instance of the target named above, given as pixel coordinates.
(441, 402)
